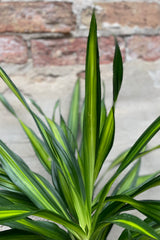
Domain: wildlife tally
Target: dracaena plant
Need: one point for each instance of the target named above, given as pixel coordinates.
(69, 203)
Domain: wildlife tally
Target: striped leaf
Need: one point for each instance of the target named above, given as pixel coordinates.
(19, 235)
(103, 116)
(140, 144)
(54, 149)
(7, 104)
(106, 141)
(16, 199)
(38, 146)
(150, 208)
(128, 181)
(7, 184)
(16, 212)
(45, 229)
(13, 88)
(4, 201)
(118, 160)
(130, 235)
(92, 109)
(133, 223)
(145, 178)
(129, 222)
(11, 213)
(37, 106)
(152, 182)
(73, 227)
(64, 127)
(57, 104)
(37, 189)
(130, 157)
(73, 118)
(65, 157)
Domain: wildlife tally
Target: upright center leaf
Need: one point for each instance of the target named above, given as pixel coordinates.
(92, 109)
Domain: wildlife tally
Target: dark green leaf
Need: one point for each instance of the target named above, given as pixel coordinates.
(117, 71)
(19, 235)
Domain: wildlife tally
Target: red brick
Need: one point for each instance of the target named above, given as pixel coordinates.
(141, 14)
(70, 51)
(107, 47)
(13, 50)
(36, 17)
(144, 47)
(58, 51)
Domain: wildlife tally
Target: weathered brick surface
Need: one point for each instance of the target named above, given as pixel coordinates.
(107, 47)
(13, 50)
(36, 17)
(131, 14)
(57, 30)
(58, 51)
(70, 51)
(144, 47)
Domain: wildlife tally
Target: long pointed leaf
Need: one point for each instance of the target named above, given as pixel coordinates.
(19, 235)
(130, 157)
(128, 181)
(48, 230)
(149, 208)
(33, 186)
(140, 143)
(92, 109)
(38, 147)
(130, 222)
(106, 141)
(73, 118)
(117, 72)
(134, 223)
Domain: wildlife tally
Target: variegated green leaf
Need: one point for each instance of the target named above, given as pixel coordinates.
(48, 230)
(150, 209)
(152, 182)
(73, 118)
(106, 141)
(128, 181)
(129, 222)
(7, 104)
(118, 160)
(103, 116)
(38, 146)
(57, 104)
(19, 235)
(130, 157)
(92, 109)
(133, 223)
(11, 213)
(7, 184)
(74, 228)
(145, 178)
(17, 199)
(36, 188)
(140, 143)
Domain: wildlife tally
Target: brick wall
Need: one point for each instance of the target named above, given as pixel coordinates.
(54, 32)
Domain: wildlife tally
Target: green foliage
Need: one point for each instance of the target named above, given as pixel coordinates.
(73, 210)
